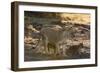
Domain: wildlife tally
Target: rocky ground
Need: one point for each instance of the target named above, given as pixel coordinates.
(31, 55)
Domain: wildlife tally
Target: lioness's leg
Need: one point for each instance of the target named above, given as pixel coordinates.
(45, 42)
(57, 49)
